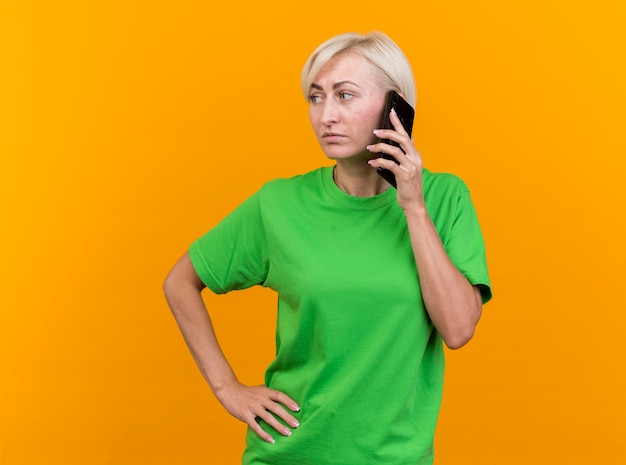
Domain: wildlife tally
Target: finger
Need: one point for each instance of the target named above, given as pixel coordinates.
(394, 151)
(281, 413)
(386, 164)
(284, 399)
(271, 421)
(278, 410)
(397, 124)
(402, 140)
(391, 135)
(256, 427)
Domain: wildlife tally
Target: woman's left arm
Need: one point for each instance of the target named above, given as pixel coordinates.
(453, 304)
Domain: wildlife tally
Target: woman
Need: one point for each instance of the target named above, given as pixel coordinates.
(370, 279)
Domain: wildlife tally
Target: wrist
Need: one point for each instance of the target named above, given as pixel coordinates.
(223, 391)
(416, 210)
(223, 384)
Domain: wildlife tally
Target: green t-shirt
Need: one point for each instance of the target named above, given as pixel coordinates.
(354, 344)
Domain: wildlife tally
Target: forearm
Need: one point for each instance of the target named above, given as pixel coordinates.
(453, 304)
(183, 289)
(187, 306)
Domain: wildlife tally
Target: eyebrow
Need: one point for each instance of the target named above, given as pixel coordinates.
(335, 85)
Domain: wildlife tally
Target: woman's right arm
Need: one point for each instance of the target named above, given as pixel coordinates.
(183, 289)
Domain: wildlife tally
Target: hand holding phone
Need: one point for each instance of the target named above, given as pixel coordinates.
(406, 114)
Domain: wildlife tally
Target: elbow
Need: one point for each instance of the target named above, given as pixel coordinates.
(182, 276)
(173, 285)
(169, 287)
(459, 338)
(169, 283)
(460, 334)
(457, 319)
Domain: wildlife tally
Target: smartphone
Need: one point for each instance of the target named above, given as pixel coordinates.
(406, 113)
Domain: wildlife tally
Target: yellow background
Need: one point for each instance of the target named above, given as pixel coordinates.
(127, 129)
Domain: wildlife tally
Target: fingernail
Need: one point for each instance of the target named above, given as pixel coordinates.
(369, 147)
(296, 408)
(295, 423)
(272, 441)
(286, 432)
(376, 131)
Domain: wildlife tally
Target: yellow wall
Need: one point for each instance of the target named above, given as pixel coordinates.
(129, 128)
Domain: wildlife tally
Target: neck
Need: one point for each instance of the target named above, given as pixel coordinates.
(358, 179)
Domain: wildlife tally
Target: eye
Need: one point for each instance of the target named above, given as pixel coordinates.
(345, 95)
(315, 98)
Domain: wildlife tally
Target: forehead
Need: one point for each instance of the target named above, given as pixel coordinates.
(346, 67)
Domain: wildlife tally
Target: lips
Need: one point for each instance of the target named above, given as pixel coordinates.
(332, 137)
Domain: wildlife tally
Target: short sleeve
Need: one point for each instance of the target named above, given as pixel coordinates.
(466, 247)
(233, 254)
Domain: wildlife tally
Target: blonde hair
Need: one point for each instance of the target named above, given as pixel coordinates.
(394, 70)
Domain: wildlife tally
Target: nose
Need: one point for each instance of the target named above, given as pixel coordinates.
(329, 113)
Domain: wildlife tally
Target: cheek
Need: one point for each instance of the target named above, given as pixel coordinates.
(369, 120)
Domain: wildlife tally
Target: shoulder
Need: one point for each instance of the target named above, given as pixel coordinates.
(445, 194)
(443, 184)
(281, 187)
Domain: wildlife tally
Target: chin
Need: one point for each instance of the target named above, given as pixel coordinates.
(361, 156)
(334, 154)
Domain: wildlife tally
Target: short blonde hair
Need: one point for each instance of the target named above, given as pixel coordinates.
(394, 69)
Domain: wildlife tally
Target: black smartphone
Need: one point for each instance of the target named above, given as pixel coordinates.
(406, 113)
